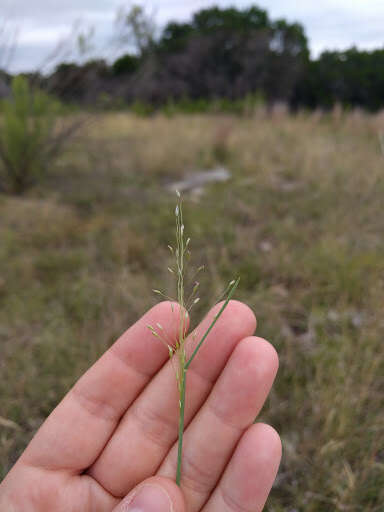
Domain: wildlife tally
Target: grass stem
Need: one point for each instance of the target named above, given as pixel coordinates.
(183, 378)
(181, 426)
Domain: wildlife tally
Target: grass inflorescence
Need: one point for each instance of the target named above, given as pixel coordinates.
(181, 253)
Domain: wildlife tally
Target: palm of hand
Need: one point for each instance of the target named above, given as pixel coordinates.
(118, 426)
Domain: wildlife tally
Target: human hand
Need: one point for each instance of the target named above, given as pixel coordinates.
(111, 444)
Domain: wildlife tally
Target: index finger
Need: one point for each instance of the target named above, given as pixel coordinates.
(78, 429)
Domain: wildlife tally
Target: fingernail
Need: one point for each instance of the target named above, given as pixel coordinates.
(150, 498)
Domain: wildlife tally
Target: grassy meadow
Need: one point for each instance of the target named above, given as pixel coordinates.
(301, 221)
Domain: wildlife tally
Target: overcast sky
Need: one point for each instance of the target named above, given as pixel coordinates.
(40, 24)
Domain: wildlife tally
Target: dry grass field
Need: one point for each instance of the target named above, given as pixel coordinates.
(300, 220)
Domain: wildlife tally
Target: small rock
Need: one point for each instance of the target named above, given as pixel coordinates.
(357, 319)
(266, 246)
(280, 290)
(333, 315)
(196, 182)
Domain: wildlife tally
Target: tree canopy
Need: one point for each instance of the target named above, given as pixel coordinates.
(227, 53)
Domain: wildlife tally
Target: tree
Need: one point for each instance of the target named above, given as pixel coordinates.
(126, 65)
(229, 53)
(353, 78)
(287, 60)
(136, 28)
(207, 21)
(80, 83)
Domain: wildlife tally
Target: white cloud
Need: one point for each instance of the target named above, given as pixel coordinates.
(42, 36)
(335, 24)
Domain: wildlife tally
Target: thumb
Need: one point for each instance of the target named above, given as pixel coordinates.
(156, 494)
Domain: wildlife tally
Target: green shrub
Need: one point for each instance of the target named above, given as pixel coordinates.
(142, 109)
(30, 137)
(241, 106)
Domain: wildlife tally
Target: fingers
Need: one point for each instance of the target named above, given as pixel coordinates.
(150, 427)
(250, 474)
(232, 406)
(153, 495)
(78, 429)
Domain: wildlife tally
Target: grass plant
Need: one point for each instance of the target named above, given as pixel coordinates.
(181, 252)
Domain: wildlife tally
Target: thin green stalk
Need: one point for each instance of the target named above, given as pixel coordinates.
(182, 385)
(181, 427)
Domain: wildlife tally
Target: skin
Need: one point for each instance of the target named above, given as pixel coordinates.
(116, 429)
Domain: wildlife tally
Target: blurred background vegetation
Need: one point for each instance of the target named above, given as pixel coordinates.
(89, 156)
